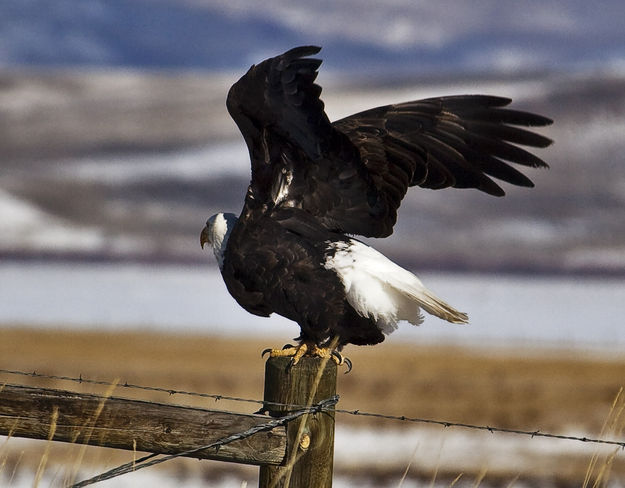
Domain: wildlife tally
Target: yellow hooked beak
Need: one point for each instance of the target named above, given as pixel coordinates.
(204, 237)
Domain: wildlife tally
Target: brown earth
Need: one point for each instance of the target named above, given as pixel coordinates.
(546, 390)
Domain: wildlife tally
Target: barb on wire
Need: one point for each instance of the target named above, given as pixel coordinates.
(443, 423)
(492, 430)
(145, 462)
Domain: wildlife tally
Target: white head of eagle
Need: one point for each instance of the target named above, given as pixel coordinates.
(317, 183)
(216, 233)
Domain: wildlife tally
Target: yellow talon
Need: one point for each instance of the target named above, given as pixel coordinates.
(308, 349)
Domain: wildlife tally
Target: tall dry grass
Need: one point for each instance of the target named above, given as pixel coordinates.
(525, 389)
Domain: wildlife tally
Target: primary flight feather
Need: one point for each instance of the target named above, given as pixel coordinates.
(316, 183)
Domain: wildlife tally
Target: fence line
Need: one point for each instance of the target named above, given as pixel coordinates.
(145, 462)
(295, 407)
(169, 391)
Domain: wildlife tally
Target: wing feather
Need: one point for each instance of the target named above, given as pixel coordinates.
(462, 141)
(351, 175)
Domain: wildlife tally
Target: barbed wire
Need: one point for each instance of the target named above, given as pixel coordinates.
(296, 407)
(145, 462)
(492, 430)
(169, 391)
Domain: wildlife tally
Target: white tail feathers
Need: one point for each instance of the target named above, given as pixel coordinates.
(378, 288)
(435, 306)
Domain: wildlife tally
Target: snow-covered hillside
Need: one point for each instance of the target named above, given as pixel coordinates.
(359, 35)
(128, 165)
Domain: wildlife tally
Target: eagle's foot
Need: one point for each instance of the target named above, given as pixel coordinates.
(308, 349)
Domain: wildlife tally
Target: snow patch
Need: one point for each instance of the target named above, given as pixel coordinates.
(599, 257)
(24, 226)
(553, 312)
(452, 449)
(221, 159)
(360, 450)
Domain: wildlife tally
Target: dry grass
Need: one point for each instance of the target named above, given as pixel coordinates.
(546, 390)
(513, 389)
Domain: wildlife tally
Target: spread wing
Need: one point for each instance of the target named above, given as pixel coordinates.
(459, 141)
(352, 175)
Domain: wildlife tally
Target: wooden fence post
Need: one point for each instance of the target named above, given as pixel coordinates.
(310, 438)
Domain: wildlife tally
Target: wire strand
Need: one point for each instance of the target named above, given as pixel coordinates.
(294, 407)
(492, 430)
(168, 391)
(145, 462)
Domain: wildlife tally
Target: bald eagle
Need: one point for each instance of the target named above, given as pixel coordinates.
(315, 184)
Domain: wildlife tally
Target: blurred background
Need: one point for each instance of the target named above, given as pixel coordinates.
(115, 146)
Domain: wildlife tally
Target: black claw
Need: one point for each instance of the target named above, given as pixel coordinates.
(292, 362)
(342, 360)
(349, 365)
(287, 346)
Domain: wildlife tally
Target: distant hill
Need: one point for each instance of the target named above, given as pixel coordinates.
(372, 37)
(125, 151)
(127, 165)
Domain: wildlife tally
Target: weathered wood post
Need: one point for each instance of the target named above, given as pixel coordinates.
(310, 438)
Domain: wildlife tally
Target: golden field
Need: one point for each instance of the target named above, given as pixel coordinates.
(539, 389)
